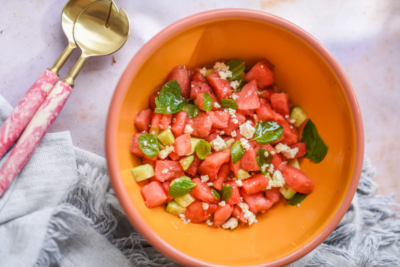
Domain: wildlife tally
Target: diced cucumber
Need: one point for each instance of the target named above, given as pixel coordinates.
(185, 162)
(208, 72)
(180, 179)
(229, 142)
(294, 163)
(142, 172)
(175, 208)
(166, 137)
(193, 142)
(161, 146)
(298, 115)
(185, 201)
(154, 130)
(242, 174)
(287, 192)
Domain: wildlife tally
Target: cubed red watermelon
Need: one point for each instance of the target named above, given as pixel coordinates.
(280, 103)
(134, 146)
(249, 162)
(198, 76)
(265, 111)
(212, 163)
(297, 180)
(238, 214)
(267, 94)
(232, 125)
(234, 167)
(262, 74)
(197, 214)
(182, 145)
(181, 75)
(200, 100)
(235, 197)
(248, 96)
(173, 156)
(149, 161)
(222, 88)
(156, 120)
(168, 170)
(202, 191)
(273, 194)
(179, 123)
(257, 203)
(211, 137)
(152, 99)
(194, 166)
(255, 184)
(166, 185)
(302, 147)
(282, 166)
(199, 87)
(201, 125)
(220, 119)
(222, 214)
(153, 194)
(165, 121)
(221, 177)
(142, 120)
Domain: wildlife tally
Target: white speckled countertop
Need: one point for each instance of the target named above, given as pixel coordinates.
(364, 36)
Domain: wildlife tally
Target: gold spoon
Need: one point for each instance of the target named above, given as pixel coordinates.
(99, 30)
(26, 108)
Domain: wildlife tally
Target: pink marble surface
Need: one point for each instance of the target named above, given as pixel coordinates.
(362, 35)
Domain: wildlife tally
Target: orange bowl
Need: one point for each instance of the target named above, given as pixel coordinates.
(314, 81)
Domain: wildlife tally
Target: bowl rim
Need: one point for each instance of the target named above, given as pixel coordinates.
(123, 85)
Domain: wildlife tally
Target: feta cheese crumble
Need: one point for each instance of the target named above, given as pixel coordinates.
(233, 133)
(221, 133)
(220, 66)
(235, 121)
(144, 143)
(165, 152)
(255, 118)
(264, 167)
(239, 183)
(286, 151)
(277, 180)
(209, 223)
(216, 105)
(224, 75)
(203, 71)
(210, 184)
(205, 205)
(234, 96)
(188, 129)
(271, 168)
(247, 130)
(222, 203)
(292, 121)
(164, 171)
(234, 85)
(232, 223)
(218, 143)
(182, 217)
(287, 116)
(266, 154)
(244, 143)
(204, 178)
(248, 215)
(168, 109)
(231, 112)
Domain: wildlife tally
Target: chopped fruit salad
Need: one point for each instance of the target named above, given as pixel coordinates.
(221, 145)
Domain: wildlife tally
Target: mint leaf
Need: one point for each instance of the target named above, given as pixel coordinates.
(316, 148)
(187, 100)
(226, 192)
(296, 199)
(237, 152)
(203, 149)
(170, 99)
(191, 110)
(148, 143)
(181, 188)
(267, 132)
(229, 103)
(215, 194)
(236, 67)
(207, 102)
(262, 159)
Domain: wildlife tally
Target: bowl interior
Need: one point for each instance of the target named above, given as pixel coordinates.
(311, 83)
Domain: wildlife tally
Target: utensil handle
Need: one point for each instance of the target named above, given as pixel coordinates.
(34, 133)
(24, 111)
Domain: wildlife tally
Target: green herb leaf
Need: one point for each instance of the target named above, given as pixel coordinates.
(215, 194)
(237, 152)
(191, 110)
(226, 192)
(316, 148)
(187, 100)
(296, 199)
(267, 132)
(262, 159)
(229, 103)
(236, 67)
(203, 149)
(208, 102)
(170, 99)
(181, 188)
(148, 143)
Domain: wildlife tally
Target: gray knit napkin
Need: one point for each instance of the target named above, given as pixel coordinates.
(61, 211)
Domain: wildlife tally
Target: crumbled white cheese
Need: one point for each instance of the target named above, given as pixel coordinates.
(221, 132)
(168, 109)
(264, 167)
(247, 130)
(234, 96)
(286, 151)
(209, 223)
(231, 112)
(203, 71)
(241, 199)
(182, 217)
(277, 180)
(298, 205)
(244, 143)
(234, 85)
(232, 223)
(291, 127)
(204, 178)
(192, 85)
(248, 215)
(205, 205)
(272, 152)
(271, 168)
(210, 184)
(220, 66)
(233, 133)
(287, 116)
(239, 183)
(144, 143)
(218, 143)
(262, 66)
(188, 129)
(222, 203)
(165, 152)
(292, 121)
(255, 118)
(235, 121)
(266, 154)
(165, 171)
(174, 120)
(216, 105)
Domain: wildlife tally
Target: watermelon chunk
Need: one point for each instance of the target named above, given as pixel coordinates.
(165, 121)
(153, 194)
(211, 137)
(201, 125)
(233, 126)
(202, 192)
(198, 76)
(222, 88)
(302, 150)
(192, 170)
(155, 122)
(257, 203)
(249, 162)
(179, 123)
(181, 75)
(221, 177)
(267, 94)
(235, 167)
(173, 156)
(196, 214)
(222, 214)
(182, 145)
(212, 163)
(235, 197)
(263, 75)
(265, 111)
(149, 161)
(289, 135)
(255, 184)
(280, 103)
(168, 170)
(273, 194)
(142, 120)
(134, 146)
(200, 100)
(282, 166)
(238, 214)
(248, 96)
(166, 185)
(152, 99)
(220, 119)
(199, 87)
(297, 180)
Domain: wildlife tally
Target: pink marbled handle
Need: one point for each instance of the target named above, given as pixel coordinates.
(33, 134)
(24, 111)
